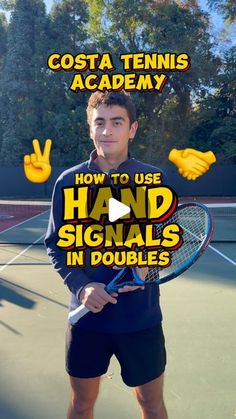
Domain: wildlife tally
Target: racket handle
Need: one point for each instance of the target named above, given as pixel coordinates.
(76, 314)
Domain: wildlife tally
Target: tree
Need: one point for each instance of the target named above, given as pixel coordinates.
(216, 128)
(226, 7)
(3, 50)
(7, 4)
(24, 79)
(3, 38)
(69, 25)
(66, 110)
(166, 119)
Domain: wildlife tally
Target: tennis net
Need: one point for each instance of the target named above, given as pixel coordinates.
(25, 222)
(224, 216)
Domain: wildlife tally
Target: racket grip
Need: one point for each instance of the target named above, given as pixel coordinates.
(76, 314)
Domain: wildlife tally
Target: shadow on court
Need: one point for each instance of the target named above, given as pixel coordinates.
(9, 411)
(9, 290)
(7, 293)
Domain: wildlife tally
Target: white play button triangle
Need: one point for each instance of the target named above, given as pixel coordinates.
(116, 209)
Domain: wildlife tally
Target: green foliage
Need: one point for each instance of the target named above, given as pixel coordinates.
(24, 76)
(216, 127)
(3, 50)
(68, 24)
(3, 38)
(7, 4)
(95, 8)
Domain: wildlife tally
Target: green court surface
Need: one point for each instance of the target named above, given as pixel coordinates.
(199, 313)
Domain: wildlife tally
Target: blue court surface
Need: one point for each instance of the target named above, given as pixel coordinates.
(199, 313)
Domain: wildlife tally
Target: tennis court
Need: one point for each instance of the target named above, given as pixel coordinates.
(199, 321)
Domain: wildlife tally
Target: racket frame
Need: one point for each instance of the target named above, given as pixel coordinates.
(113, 286)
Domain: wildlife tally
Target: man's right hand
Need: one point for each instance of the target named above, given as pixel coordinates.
(94, 297)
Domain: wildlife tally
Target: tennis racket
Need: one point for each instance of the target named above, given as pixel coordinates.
(196, 222)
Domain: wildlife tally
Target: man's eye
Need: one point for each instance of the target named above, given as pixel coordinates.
(117, 123)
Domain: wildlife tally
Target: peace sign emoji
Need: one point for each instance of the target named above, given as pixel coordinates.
(37, 166)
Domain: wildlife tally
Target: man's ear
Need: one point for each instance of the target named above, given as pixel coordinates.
(90, 133)
(133, 129)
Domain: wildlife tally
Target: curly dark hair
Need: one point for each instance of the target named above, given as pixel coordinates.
(121, 98)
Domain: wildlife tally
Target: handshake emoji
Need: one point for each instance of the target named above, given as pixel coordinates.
(192, 163)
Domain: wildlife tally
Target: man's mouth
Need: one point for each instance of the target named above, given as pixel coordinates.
(108, 142)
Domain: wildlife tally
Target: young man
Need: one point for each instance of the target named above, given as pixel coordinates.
(125, 324)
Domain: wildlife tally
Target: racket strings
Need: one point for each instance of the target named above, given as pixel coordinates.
(194, 223)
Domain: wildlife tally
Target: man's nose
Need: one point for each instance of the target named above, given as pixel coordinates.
(107, 131)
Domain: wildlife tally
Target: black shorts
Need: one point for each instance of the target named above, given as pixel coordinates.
(142, 354)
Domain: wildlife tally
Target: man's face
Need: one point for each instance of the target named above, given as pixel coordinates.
(110, 130)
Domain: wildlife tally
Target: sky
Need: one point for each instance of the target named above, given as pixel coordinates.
(216, 20)
(203, 3)
(48, 4)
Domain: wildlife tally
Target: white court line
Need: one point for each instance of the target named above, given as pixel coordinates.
(21, 253)
(16, 225)
(22, 222)
(222, 255)
(233, 205)
(214, 249)
(36, 241)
